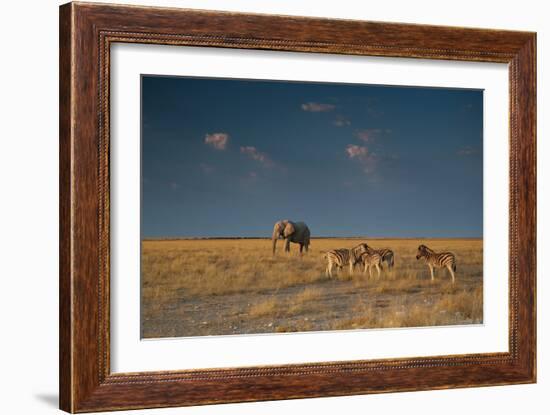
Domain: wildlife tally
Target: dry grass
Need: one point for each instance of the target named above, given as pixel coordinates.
(216, 267)
(265, 308)
(462, 306)
(202, 287)
(289, 306)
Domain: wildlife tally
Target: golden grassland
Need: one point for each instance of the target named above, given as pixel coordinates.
(235, 286)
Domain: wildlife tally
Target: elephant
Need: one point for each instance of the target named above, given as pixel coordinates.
(296, 232)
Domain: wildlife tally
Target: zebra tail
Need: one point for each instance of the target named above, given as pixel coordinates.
(454, 267)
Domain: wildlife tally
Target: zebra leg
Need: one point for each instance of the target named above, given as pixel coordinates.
(365, 270)
(351, 268)
(431, 271)
(452, 273)
(378, 269)
(370, 272)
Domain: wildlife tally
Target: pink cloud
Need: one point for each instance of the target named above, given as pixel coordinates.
(317, 107)
(365, 135)
(371, 134)
(363, 156)
(217, 141)
(255, 154)
(355, 151)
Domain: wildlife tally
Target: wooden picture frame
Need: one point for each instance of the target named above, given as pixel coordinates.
(86, 33)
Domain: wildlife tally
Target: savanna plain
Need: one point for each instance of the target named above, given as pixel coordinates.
(200, 287)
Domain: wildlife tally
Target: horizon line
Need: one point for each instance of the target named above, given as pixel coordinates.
(169, 238)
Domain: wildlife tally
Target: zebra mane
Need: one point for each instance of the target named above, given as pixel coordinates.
(426, 249)
(359, 249)
(361, 245)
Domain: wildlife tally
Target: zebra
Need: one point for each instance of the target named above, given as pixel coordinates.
(371, 259)
(343, 256)
(385, 253)
(437, 260)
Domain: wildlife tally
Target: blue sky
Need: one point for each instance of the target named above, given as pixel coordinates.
(224, 157)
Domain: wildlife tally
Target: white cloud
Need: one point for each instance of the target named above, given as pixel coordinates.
(217, 141)
(317, 107)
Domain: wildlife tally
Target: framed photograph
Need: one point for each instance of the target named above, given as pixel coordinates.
(258, 207)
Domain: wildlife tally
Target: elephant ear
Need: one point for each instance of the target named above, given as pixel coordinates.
(289, 229)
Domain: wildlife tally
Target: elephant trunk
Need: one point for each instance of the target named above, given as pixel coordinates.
(274, 238)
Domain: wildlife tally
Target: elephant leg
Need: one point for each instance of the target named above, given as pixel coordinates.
(301, 249)
(287, 245)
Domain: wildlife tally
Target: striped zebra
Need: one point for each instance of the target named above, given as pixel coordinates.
(385, 253)
(341, 257)
(371, 259)
(437, 260)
